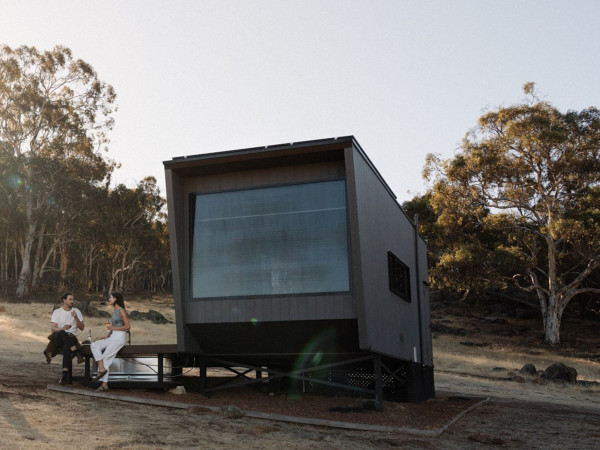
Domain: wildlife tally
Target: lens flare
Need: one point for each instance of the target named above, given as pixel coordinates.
(14, 181)
(312, 355)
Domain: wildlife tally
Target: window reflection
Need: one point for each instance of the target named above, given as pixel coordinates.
(271, 241)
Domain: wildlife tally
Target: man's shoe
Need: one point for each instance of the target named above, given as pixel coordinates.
(48, 356)
(65, 378)
(80, 357)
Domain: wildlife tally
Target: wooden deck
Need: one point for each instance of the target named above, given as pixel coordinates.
(137, 350)
(131, 351)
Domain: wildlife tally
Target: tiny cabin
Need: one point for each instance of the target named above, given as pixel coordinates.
(299, 254)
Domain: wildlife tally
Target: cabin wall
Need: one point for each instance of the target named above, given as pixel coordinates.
(369, 317)
(387, 323)
(177, 238)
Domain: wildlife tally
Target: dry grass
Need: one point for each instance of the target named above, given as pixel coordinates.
(502, 365)
(493, 363)
(29, 324)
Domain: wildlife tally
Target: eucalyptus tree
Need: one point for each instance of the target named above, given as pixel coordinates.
(533, 174)
(68, 223)
(131, 216)
(54, 114)
(464, 247)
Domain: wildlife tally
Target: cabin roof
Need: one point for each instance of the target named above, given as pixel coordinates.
(304, 152)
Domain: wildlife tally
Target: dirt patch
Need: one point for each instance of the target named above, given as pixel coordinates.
(348, 411)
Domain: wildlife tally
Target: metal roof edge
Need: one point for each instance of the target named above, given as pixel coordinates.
(249, 150)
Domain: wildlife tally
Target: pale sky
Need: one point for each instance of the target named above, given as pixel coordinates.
(406, 78)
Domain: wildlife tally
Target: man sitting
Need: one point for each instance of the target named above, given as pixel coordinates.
(64, 323)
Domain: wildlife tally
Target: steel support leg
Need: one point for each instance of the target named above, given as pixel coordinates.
(160, 368)
(378, 384)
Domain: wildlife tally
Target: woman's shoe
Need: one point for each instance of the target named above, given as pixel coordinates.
(99, 375)
(103, 389)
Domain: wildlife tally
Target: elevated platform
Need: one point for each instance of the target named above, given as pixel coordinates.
(365, 373)
(136, 366)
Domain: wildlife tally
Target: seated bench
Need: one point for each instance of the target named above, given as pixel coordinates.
(132, 351)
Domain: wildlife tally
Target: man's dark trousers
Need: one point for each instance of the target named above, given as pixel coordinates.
(64, 341)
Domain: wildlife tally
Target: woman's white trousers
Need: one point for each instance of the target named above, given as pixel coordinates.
(106, 349)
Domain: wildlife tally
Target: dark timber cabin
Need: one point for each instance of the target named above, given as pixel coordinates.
(297, 260)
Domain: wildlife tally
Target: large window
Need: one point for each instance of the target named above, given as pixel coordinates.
(271, 241)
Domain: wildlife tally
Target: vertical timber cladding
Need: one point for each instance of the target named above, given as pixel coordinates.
(388, 324)
(237, 171)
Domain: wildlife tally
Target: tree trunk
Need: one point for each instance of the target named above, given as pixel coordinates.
(122, 271)
(16, 261)
(25, 272)
(553, 314)
(4, 262)
(113, 275)
(552, 326)
(98, 276)
(44, 264)
(37, 267)
(24, 280)
(24, 276)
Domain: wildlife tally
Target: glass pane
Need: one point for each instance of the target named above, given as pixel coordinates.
(278, 240)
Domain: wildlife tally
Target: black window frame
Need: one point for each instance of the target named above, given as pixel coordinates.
(399, 277)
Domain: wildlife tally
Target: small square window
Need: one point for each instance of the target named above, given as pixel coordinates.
(399, 275)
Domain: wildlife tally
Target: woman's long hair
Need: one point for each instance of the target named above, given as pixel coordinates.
(118, 299)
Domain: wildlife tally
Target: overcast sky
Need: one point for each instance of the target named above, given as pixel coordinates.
(406, 78)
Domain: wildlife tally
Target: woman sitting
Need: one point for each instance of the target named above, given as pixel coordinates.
(105, 349)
